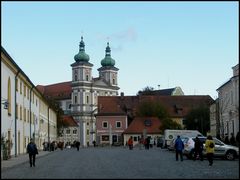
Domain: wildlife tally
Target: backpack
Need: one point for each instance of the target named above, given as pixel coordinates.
(211, 145)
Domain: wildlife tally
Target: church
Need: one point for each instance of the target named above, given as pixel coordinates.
(78, 97)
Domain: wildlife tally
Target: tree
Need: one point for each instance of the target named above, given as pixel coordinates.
(198, 119)
(146, 91)
(155, 109)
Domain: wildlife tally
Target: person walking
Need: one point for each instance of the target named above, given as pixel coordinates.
(130, 143)
(32, 151)
(226, 140)
(77, 145)
(237, 139)
(232, 140)
(209, 144)
(179, 146)
(198, 148)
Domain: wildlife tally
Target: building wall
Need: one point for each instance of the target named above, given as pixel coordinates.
(111, 128)
(137, 136)
(229, 105)
(27, 115)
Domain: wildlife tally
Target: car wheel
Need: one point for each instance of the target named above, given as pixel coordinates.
(230, 155)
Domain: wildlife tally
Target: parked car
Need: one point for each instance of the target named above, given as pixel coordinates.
(171, 147)
(223, 150)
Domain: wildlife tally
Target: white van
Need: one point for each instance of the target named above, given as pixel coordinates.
(170, 134)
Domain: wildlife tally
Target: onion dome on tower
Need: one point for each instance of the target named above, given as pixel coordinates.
(81, 56)
(108, 61)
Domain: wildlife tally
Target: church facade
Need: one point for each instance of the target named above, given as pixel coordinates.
(78, 97)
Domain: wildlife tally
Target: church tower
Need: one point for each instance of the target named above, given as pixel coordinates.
(81, 105)
(108, 71)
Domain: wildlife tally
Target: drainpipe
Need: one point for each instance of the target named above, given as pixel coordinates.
(30, 107)
(16, 113)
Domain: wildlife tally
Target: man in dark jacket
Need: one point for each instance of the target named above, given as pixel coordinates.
(198, 148)
(32, 151)
(179, 146)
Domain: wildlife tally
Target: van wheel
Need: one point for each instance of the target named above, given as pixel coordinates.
(230, 155)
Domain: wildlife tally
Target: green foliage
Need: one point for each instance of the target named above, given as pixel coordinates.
(150, 108)
(199, 119)
(168, 123)
(155, 109)
(146, 91)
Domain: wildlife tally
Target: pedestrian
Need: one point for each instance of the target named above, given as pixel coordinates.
(179, 146)
(198, 148)
(226, 140)
(238, 139)
(232, 140)
(77, 145)
(141, 142)
(130, 143)
(209, 144)
(32, 151)
(94, 143)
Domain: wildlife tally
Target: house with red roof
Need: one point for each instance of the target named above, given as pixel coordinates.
(113, 107)
(69, 130)
(146, 126)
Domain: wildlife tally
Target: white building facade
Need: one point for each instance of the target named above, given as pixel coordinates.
(228, 95)
(20, 118)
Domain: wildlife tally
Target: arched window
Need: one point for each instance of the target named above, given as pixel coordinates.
(9, 97)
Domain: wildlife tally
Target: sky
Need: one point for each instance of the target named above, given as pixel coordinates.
(192, 45)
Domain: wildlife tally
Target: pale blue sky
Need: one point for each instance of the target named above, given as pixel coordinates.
(193, 45)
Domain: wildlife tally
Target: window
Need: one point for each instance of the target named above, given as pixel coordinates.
(135, 138)
(87, 131)
(87, 77)
(24, 114)
(105, 124)
(27, 93)
(75, 99)
(68, 131)
(20, 112)
(75, 77)
(87, 99)
(24, 90)
(20, 87)
(36, 102)
(9, 97)
(113, 81)
(105, 138)
(74, 131)
(17, 84)
(28, 116)
(118, 124)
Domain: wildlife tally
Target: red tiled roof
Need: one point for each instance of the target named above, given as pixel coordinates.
(120, 104)
(138, 125)
(69, 121)
(57, 91)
